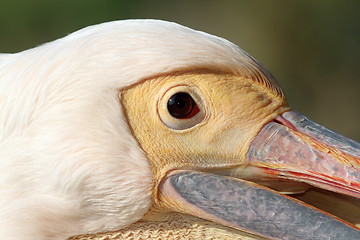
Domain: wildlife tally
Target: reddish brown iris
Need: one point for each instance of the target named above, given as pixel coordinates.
(182, 106)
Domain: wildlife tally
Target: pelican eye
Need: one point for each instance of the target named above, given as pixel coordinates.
(182, 106)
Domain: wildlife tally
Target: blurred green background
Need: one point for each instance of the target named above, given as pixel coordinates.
(311, 47)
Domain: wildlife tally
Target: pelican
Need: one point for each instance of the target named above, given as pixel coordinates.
(126, 126)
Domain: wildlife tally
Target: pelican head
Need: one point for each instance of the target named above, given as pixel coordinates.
(124, 119)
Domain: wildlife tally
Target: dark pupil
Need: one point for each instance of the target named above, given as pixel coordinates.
(181, 105)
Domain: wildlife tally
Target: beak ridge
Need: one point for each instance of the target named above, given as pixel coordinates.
(322, 134)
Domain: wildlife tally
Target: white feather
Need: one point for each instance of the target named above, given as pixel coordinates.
(68, 162)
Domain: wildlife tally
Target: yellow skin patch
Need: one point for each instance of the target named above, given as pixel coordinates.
(232, 111)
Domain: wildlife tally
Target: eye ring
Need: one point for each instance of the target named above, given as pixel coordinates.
(181, 107)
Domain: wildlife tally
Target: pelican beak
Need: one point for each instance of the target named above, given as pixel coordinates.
(291, 147)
